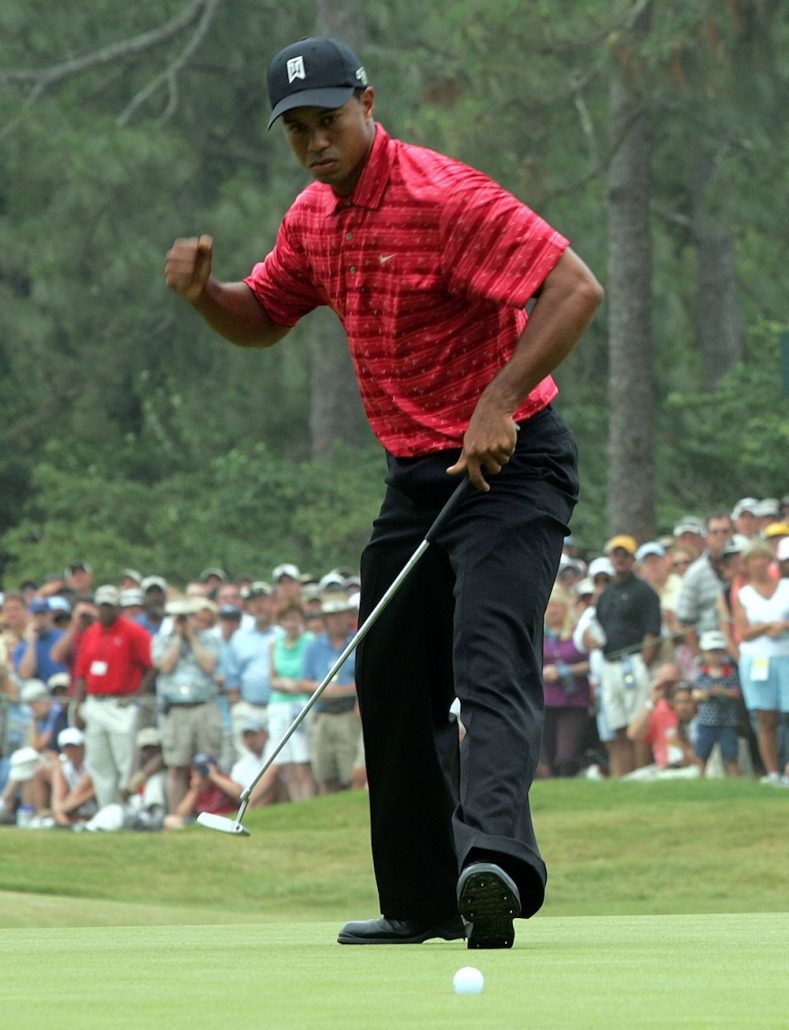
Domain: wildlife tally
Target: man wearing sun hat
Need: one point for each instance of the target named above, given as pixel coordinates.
(335, 727)
(628, 611)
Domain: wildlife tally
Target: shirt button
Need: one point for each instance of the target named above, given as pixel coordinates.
(353, 268)
(349, 236)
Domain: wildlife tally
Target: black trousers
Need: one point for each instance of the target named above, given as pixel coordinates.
(467, 623)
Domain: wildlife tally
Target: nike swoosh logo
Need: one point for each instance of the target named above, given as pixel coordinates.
(383, 258)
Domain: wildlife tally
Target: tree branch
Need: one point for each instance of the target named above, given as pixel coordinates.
(169, 75)
(41, 79)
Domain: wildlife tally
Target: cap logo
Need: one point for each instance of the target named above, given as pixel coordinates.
(296, 69)
(361, 75)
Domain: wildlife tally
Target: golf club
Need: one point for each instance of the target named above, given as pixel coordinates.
(234, 826)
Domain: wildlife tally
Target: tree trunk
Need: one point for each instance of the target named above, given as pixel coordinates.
(720, 333)
(335, 408)
(336, 414)
(631, 492)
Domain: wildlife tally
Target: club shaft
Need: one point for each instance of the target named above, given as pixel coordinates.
(461, 492)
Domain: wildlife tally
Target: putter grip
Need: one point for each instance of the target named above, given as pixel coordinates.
(463, 490)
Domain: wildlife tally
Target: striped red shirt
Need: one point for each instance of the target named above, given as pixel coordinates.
(428, 265)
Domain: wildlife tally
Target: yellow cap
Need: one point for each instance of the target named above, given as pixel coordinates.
(623, 540)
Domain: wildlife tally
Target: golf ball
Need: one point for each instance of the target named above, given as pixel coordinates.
(468, 980)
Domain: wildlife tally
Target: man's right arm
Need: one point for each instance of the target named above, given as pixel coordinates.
(231, 309)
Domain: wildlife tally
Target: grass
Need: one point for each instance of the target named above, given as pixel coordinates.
(667, 906)
(612, 848)
(634, 971)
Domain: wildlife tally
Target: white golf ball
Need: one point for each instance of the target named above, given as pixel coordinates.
(468, 980)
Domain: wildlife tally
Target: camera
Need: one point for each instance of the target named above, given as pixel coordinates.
(201, 763)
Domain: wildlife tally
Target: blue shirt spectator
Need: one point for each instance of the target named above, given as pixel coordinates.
(320, 656)
(246, 664)
(41, 636)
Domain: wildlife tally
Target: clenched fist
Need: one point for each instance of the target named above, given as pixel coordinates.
(188, 266)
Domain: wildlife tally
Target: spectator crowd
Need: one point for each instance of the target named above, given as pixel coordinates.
(137, 705)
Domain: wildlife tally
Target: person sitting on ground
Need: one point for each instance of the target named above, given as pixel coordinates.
(270, 789)
(716, 691)
(144, 797)
(663, 723)
(31, 783)
(207, 792)
(73, 794)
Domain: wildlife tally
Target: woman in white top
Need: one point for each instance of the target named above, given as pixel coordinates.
(761, 616)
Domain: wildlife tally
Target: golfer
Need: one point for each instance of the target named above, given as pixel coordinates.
(429, 266)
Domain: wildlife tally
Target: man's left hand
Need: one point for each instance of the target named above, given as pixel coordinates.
(487, 444)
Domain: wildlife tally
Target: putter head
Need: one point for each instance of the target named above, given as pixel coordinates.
(223, 825)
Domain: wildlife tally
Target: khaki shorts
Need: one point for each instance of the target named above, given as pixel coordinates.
(280, 717)
(334, 740)
(187, 730)
(622, 696)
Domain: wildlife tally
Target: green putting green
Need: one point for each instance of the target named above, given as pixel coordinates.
(623, 971)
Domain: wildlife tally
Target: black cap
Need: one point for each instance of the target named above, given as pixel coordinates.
(314, 72)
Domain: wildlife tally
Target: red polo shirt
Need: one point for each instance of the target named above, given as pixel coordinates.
(112, 659)
(428, 264)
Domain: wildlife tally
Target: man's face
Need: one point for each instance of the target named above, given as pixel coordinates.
(108, 613)
(261, 607)
(747, 524)
(718, 535)
(691, 542)
(256, 741)
(42, 621)
(14, 614)
(653, 568)
(622, 561)
(81, 580)
(75, 753)
(333, 143)
(683, 704)
(228, 593)
(337, 623)
(154, 600)
(202, 620)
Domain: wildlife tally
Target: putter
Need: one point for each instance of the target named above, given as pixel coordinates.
(235, 826)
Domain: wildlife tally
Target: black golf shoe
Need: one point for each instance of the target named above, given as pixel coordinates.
(400, 931)
(488, 901)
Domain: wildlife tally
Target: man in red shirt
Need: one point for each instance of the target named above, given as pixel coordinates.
(112, 668)
(429, 266)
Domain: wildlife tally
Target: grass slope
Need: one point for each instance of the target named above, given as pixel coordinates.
(612, 848)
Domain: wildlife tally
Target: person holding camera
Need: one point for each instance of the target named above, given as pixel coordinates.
(65, 649)
(207, 792)
(32, 655)
(190, 721)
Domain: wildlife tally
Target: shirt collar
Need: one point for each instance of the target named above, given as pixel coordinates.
(369, 190)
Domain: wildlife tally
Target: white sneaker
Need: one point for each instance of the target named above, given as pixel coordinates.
(772, 779)
(41, 822)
